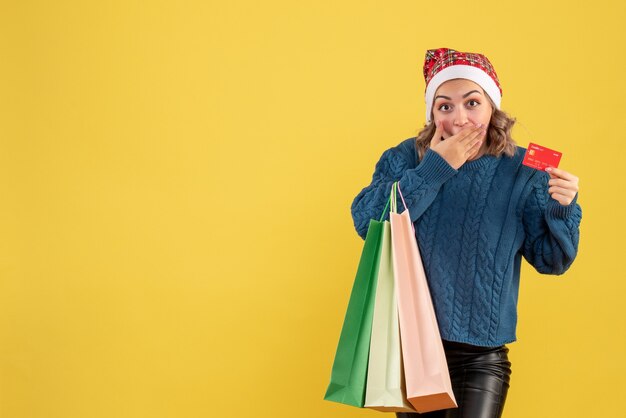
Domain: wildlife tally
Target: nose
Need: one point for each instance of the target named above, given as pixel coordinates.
(460, 117)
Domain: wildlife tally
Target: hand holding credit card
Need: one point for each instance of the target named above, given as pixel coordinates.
(540, 157)
(562, 186)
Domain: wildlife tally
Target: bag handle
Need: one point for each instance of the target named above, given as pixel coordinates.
(401, 197)
(395, 189)
(384, 210)
(393, 200)
(397, 184)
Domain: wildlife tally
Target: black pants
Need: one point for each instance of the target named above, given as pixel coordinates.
(480, 381)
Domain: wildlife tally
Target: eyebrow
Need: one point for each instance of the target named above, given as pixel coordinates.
(464, 96)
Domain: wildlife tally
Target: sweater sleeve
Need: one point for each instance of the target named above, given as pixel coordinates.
(419, 185)
(552, 230)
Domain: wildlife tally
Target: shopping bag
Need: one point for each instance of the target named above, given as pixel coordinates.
(426, 372)
(349, 372)
(385, 389)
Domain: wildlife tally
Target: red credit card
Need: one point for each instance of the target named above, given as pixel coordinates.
(539, 157)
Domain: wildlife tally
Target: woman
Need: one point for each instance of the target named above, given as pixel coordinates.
(477, 211)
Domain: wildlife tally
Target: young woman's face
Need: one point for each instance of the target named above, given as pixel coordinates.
(458, 103)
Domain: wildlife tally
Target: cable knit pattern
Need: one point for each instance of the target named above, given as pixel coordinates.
(473, 226)
(477, 201)
(427, 228)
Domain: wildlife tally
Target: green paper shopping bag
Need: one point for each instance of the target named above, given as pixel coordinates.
(385, 389)
(349, 372)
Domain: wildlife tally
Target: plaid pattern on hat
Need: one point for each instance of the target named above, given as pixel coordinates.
(438, 59)
(443, 64)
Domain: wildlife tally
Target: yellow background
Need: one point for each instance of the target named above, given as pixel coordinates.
(176, 180)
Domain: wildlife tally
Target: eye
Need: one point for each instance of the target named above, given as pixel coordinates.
(475, 103)
(444, 107)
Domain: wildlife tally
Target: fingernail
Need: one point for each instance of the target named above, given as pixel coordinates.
(548, 169)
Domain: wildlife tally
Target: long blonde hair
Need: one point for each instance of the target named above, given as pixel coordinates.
(499, 140)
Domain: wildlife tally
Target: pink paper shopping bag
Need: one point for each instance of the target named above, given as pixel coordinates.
(426, 372)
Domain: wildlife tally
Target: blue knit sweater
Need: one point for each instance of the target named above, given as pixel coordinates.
(473, 225)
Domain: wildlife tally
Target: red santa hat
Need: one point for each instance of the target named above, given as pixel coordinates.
(445, 64)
